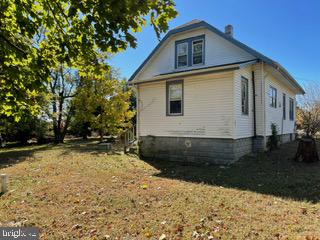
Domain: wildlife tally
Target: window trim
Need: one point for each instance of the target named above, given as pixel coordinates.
(284, 106)
(177, 56)
(246, 81)
(189, 57)
(202, 52)
(291, 113)
(270, 97)
(168, 83)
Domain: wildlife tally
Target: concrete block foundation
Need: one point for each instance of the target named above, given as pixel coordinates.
(201, 150)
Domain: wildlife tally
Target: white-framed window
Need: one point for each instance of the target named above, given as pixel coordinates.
(175, 98)
(291, 109)
(197, 52)
(273, 97)
(244, 96)
(182, 54)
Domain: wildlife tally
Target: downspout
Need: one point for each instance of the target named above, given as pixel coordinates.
(254, 105)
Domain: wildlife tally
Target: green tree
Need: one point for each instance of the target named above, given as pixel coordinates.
(28, 127)
(62, 88)
(37, 36)
(104, 103)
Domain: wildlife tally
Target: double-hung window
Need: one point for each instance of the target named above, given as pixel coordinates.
(175, 98)
(244, 96)
(284, 103)
(197, 52)
(273, 97)
(182, 54)
(190, 52)
(291, 109)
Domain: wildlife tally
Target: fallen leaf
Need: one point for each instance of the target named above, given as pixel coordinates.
(76, 226)
(144, 186)
(162, 237)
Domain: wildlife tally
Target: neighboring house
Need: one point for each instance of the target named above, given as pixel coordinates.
(204, 96)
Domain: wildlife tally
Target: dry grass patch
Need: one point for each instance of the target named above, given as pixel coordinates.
(77, 191)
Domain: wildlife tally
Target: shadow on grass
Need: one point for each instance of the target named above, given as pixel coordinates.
(13, 155)
(90, 146)
(273, 174)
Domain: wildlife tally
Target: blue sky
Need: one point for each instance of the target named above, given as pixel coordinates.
(286, 31)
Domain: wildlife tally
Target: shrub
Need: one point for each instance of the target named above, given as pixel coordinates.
(273, 141)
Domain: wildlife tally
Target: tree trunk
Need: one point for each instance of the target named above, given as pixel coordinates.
(58, 136)
(307, 150)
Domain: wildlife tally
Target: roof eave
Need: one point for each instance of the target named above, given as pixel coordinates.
(287, 75)
(198, 71)
(258, 55)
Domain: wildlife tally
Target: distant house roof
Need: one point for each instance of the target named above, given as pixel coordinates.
(198, 24)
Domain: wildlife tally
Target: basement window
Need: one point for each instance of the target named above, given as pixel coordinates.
(175, 98)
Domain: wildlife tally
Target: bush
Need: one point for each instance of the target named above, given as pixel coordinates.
(28, 127)
(274, 139)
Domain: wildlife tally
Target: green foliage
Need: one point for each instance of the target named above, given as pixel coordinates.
(28, 127)
(62, 89)
(79, 128)
(38, 36)
(274, 138)
(104, 102)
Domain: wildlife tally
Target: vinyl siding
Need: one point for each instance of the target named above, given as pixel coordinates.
(260, 98)
(217, 51)
(208, 108)
(274, 115)
(243, 123)
(265, 115)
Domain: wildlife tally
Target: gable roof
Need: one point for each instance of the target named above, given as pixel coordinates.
(188, 23)
(202, 24)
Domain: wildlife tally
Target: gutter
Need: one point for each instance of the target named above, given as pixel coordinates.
(290, 78)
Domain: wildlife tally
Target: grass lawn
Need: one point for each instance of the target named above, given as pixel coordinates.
(75, 191)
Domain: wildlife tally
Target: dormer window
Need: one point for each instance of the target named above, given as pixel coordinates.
(190, 52)
(182, 54)
(197, 52)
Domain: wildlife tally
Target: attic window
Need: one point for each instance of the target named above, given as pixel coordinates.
(182, 54)
(190, 52)
(197, 52)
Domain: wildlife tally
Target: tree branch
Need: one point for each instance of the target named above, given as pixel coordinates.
(13, 45)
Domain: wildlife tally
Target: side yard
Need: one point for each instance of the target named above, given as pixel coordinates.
(77, 191)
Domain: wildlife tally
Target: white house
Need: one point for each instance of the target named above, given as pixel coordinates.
(204, 96)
